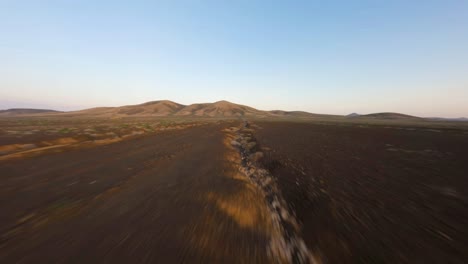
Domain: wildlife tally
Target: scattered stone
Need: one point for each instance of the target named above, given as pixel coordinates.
(249, 146)
(235, 143)
(285, 243)
(257, 156)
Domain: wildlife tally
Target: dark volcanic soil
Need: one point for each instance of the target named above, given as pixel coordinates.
(360, 193)
(368, 194)
(164, 198)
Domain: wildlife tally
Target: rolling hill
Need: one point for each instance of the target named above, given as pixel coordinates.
(165, 108)
(169, 108)
(26, 111)
(383, 115)
(219, 109)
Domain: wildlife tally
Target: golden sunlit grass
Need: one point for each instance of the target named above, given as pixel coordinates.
(106, 133)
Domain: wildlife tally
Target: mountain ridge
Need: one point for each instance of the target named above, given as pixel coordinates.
(383, 115)
(170, 108)
(26, 111)
(221, 109)
(167, 108)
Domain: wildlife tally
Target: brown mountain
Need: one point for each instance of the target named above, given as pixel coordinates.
(389, 115)
(220, 109)
(169, 108)
(153, 108)
(165, 108)
(25, 111)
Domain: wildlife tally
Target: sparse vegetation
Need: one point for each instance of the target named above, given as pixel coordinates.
(305, 161)
(64, 130)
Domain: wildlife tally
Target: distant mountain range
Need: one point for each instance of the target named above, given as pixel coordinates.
(165, 108)
(459, 119)
(390, 115)
(222, 109)
(26, 111)
(169, 108)
(384, 115)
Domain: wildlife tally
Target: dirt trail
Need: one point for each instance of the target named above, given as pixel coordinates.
(175, 197)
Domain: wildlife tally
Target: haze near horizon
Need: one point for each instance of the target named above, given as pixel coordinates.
(335, 57)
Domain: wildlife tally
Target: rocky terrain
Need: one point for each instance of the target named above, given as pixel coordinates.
(222, 190)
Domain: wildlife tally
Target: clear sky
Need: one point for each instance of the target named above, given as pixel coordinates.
(332, 57)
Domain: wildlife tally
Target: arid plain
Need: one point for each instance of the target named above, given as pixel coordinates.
(219, 182)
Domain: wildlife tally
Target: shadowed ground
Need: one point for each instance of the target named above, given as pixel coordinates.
(374, 194)
(300, 191)
(166, 198)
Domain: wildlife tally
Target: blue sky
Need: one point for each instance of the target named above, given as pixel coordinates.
(320, 56)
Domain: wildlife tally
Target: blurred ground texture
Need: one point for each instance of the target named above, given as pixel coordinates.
(181, 192)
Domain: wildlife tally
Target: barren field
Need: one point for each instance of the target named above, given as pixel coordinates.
(167, 197)
(219, 191)
(373, 194)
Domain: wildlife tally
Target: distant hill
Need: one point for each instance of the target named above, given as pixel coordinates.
(165, 108)
(153, 108)
(459, 119)
(385, 115)
(169, 108)
(220, 109)
(26, 111)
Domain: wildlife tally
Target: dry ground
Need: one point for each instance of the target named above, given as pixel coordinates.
(374, 194)
(168, 197)
(178, 191)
